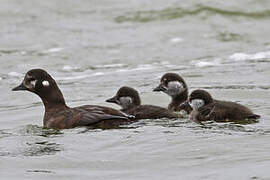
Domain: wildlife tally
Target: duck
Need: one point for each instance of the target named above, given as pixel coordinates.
(205, 108)
(174, 85)
(129, 99)
(60, 116)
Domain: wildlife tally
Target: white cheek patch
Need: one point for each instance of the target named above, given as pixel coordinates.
(45, 83)
(196, 103)
(33, 83)
(125, 102)
(175, 88)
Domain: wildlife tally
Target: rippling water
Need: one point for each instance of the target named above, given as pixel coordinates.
(93, 47)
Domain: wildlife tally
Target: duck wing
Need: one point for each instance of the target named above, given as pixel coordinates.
(91, 114)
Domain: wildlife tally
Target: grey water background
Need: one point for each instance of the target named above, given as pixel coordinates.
(93, 47)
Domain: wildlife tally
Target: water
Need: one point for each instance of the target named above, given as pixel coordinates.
(93, 47)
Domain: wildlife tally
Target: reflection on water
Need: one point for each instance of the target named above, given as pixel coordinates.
(30, 140)
(41, 148)
(40, 171)
(40, 131)
(226, 36)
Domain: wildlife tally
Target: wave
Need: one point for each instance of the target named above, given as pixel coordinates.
(15, 74)
(206, 63)
(262, 87)
(245, 56)
(178, 12)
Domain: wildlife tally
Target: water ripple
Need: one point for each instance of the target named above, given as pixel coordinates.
(237, 87)
(29, 140)
(178, 12)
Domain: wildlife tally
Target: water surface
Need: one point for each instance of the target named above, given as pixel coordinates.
(93, 47)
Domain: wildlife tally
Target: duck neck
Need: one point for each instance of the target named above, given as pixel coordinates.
(177, 100)
(129, 107)
(53, 101)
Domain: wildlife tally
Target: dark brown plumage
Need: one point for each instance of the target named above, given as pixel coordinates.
(129, 99)
(57, 114)
(175, 86)
(215, 110)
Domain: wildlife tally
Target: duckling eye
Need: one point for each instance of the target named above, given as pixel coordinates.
(165, 82)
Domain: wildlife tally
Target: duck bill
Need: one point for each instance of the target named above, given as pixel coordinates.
(160, 88)
(21, 87)
(186, 107)
(186, 103)
(112, 100)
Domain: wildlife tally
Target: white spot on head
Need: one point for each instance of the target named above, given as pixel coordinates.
(33, 83)
(197, 103)
(45, 83)
(175, 88)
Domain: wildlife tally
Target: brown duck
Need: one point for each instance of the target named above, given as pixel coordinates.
(175, 86)
(130, 101)
(206, 108)
(58, 115)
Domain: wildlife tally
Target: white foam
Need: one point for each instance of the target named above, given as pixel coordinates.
(204, 63)
(143, 67)
(122, 70)
(73, 77)
(239, 56)
(23, 52)
(80, 76)
(14, 74)
(68, 68)
(54, 50)
(176, 40)
(111, 65)
(245, 56)
(138, 68)
(98, 74)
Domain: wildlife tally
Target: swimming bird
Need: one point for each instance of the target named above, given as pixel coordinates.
(206, 108)
(175, 86)
(58, 115)
(128, 98)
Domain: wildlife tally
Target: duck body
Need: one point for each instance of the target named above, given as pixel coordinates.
(87, 115)
(223, 111)
(57, 114)
(217, 110)
(129, 99)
